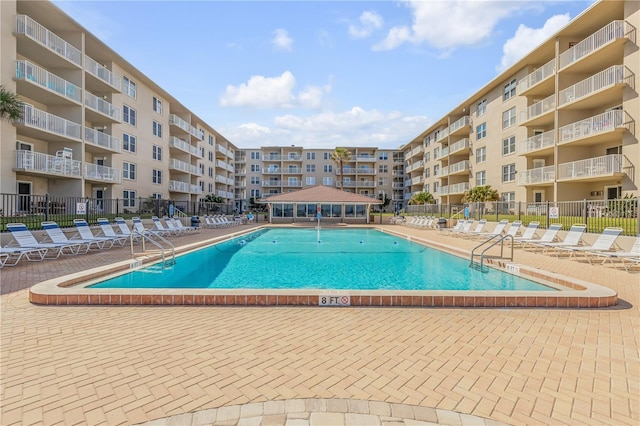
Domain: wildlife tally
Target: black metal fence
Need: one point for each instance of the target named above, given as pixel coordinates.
(597, 215)
(32, 210)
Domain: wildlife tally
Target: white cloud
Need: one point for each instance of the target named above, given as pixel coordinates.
(369, 22)
(449, 24)
(526, 39)
(273, 92)
(281, 40)
(354, 127)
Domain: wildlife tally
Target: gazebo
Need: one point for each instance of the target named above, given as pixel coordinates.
(330, 204)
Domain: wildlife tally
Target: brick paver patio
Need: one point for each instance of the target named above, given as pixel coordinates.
(133, 364)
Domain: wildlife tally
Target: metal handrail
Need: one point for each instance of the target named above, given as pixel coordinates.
(154, 242)
(500, 239)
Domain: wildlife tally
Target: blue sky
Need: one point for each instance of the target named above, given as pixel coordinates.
(322, 74)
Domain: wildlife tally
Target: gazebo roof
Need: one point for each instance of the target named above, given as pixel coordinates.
(320, 194)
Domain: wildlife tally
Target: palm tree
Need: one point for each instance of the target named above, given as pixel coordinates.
(339, 156)
(10, 105)
(481, 194)
(421, 198)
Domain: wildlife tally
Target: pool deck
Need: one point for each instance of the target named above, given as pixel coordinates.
(293, 365)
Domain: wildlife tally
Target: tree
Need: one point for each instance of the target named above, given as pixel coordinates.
(422, 198)
(339, 156)
(385, 202)
(10, 105)
(213, 199)
(480, 194)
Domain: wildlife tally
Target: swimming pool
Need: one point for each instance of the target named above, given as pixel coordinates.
(327, 259)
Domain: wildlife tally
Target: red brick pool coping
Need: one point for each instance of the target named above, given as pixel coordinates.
(564, 293)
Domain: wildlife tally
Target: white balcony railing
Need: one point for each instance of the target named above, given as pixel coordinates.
(101, 139)
(415, 151)
(47, 164)
(27, 71)
(540, 74)
(442, 134)
(456, 188)
(459, 146)
(30, 28)
(102, 173)
(414, 166)
(36, 118)
(592, 167)
(101, 106)
(178, 186)
(179, 122)
(365, 158)
(539, 108)
(175, 164)
(610, 32)
(601, 123)
(416, 180)
(272, 170)
(537, 176)
(534, 143)
(292, 170)
(616, 74)
(459, 124)
(460, 166)
(102, 73)
(178, 143)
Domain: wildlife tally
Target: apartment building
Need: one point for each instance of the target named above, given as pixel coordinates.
(560, 124)
(93, 125)
(369, 171)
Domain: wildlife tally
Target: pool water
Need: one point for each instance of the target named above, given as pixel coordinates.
(337, 259)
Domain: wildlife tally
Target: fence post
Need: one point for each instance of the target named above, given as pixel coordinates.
(86, 210)
(547, 215)
(637, 211)
(117, 207)
(46, 207)
(585, 213)
(519, 210)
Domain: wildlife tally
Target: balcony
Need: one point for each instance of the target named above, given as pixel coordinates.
(532, 84)
(99, 110)
(292, 184)
(181, 166)
(183, 146)
(174, 120)
(37, 83)
(608, 85)
(596, 129)
(272, 171)
(272, 184)
(594, 169)
(366, 171)
(456, 168)
(97, 141)
(419, 150)
(292, 157)
(102, 78)
(364, 158)
(397, 186)
(240, 172)
(459, 147)
(36, 41)
(604, 40)
(543, 141)
(417, 180)
(457, 188)
(442, 135)
(224, 180)
(185, 187)
(538, 176)
(42, 125)
(414, 166)
(37, 163)
(539, 113)
(460, 126)
(292, 171)
(354, 184)
(442, 153)
(101, 174)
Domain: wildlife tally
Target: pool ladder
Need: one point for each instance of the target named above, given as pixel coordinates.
(493, 240)
(153, 238)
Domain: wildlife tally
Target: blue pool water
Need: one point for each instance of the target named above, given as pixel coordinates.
(341, 259)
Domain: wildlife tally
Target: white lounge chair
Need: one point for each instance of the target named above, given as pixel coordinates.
(108, 231)
(178, 224)
(572, 239)
(606, 241)
(499, 229)
(85, 233)
(10, 256)
(549, 236)
(171, 226)
(478, 230)
(528, 233)
(160, 229)
(55, 235)
(138, 228)
(630, 262)
(25, 239)
(634, 252)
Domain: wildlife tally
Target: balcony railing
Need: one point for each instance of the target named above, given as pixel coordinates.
(47, 164)
(354, 184)
(601, 123)
(537, 176)
(292, 170)
(179, 122)
(459, 124)
(102, 173)
(414, 166)
(36, 118)
(366, 171)
(459, 146)
(272, 170)
(415, 151)
(599, 166)
(416, 180)
(102, 106)
(540, 74)
(455, 168)
(292, 183)
(240, 172)
(610, 32)
(178, 143)
(456, 188)
(272, 183)
(178, 186)
(102, 73)
(175, 164)
(539, 108)
(102, 139)
(366, 158)
(616, 74)
(534, 143)
(27, 26)
(27, 71)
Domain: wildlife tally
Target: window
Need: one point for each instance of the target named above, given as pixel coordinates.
(255, 167)
(436, 186)
(509, 173)
(436, 152)
(509, 90)
(156, 196)
(210, 172)
(382, 181)
(427, 172)
(210, 155)
(128, 143)
(311, 155)
(383, 156)
(481, 131)
(157, 105)
(327, 181)
(509, 118)
(129, 87)
(310, 180)
(509, 145)
(255, 180)
(427, 157)
(157, 176)
(482, 108)
(328, 168)
(202, 152)
(481, 154)
(327, 156)
(481, 178)
(157, 129)
(211, 140)
(383, 168)
(509, 198)
(255, 193)
(426, 187)
(157, 152)
(128, 170)
(311, 168)
(436, 169)
(427, 141)
(201, 167)
(254, 155)
(128, 115)
(128, 198)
